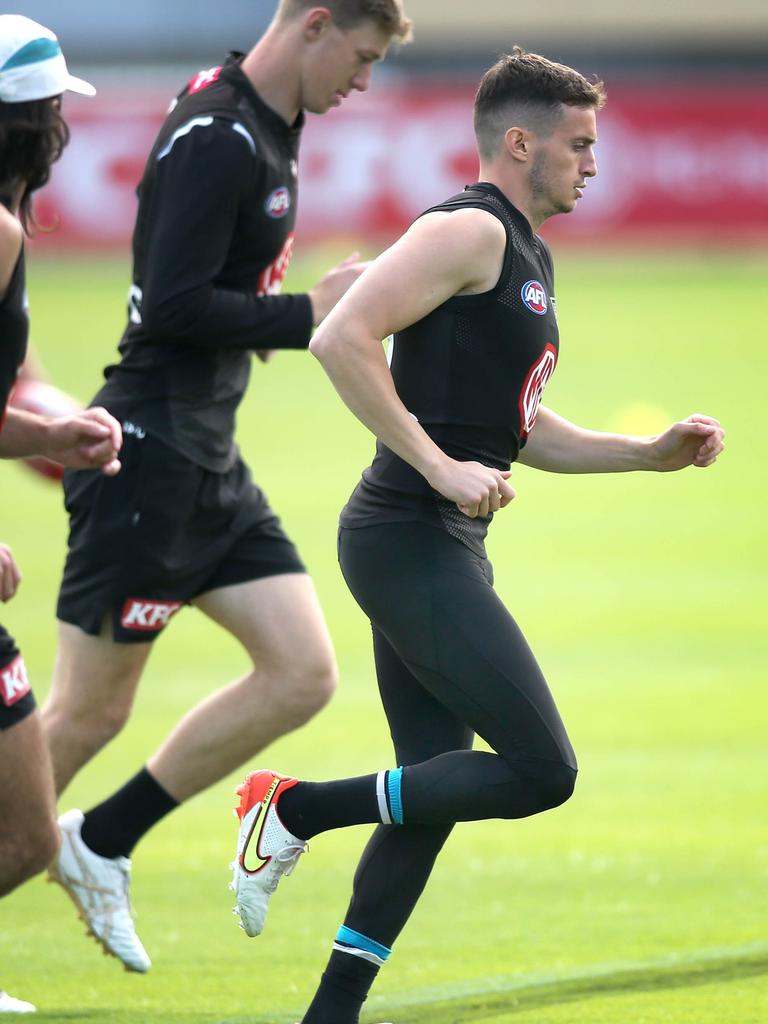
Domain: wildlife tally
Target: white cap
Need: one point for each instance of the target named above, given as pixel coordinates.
(32, 66)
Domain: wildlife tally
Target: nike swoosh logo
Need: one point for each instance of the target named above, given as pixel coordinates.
(261, 814)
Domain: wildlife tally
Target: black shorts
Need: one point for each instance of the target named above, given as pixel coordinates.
(16, 697)
(160, 533)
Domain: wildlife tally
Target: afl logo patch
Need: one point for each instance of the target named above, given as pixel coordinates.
(278, 203)
(534, 297)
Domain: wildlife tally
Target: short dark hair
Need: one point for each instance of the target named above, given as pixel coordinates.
(387, 14)
(528, 90)
(33, 135)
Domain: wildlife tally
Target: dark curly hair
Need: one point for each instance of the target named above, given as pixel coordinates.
(32, 138)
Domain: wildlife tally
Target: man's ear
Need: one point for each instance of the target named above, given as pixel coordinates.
(517, 142)
(316, 23)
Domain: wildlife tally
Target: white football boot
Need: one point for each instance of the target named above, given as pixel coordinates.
(10, 1005)
(266, 850)
(98, 886)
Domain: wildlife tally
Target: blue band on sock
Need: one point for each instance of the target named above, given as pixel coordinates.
(353, 938)
(394, 784)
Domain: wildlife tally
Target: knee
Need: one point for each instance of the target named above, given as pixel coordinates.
(93, 723)
(305, 688)
(104, 722)
(552, 784)
(107, 721)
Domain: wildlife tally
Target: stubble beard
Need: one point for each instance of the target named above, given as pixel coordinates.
(545, 201)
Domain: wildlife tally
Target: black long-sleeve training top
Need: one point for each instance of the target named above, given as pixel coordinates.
(212, 243)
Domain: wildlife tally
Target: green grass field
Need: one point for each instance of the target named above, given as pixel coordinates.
(642, 900)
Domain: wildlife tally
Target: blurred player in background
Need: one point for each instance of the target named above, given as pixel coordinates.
(184, 522)
(468, 294)
(33, 75)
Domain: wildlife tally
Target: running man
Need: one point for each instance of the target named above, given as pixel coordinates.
(33, 133)
(184, 523)
(468, 295)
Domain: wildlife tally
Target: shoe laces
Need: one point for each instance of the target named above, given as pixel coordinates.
(284, 862)
(115, 897)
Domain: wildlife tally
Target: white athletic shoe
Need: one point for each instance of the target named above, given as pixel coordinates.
(266, 850)
(10, 1005)
(98, 886)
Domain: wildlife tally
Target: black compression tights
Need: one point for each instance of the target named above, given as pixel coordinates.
(450, 662)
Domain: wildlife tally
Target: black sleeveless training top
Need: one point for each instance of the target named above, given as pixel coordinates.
(14, 332)
(472, 372)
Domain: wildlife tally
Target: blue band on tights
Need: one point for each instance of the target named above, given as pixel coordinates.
(394, 785)
(353, 938)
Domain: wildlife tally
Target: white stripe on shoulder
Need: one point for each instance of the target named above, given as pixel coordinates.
(242, 130)
(197, 122)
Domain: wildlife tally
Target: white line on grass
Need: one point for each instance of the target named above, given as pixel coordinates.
(478, 987)
(541, 979)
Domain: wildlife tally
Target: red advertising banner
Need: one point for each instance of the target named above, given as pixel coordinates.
(676, 162)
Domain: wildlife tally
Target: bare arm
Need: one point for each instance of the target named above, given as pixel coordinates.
(87, 440)
(559, 446)
(443, 254)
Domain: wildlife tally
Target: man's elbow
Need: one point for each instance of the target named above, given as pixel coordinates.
(323, 345)
(342, 338)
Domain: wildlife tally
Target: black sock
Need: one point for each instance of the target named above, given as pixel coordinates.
(313, 807)
(342, 991)
(113, 828)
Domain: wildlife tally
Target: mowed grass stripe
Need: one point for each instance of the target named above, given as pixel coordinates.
(483, 998)
(487, 997)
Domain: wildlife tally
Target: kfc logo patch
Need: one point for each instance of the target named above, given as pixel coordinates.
(535, 297)
(278, 203)
(14, 682)
(271, 278)
(533, 388)
(148, 616)
(203, 79)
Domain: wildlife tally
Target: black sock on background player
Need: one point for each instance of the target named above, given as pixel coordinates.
(114, 827)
